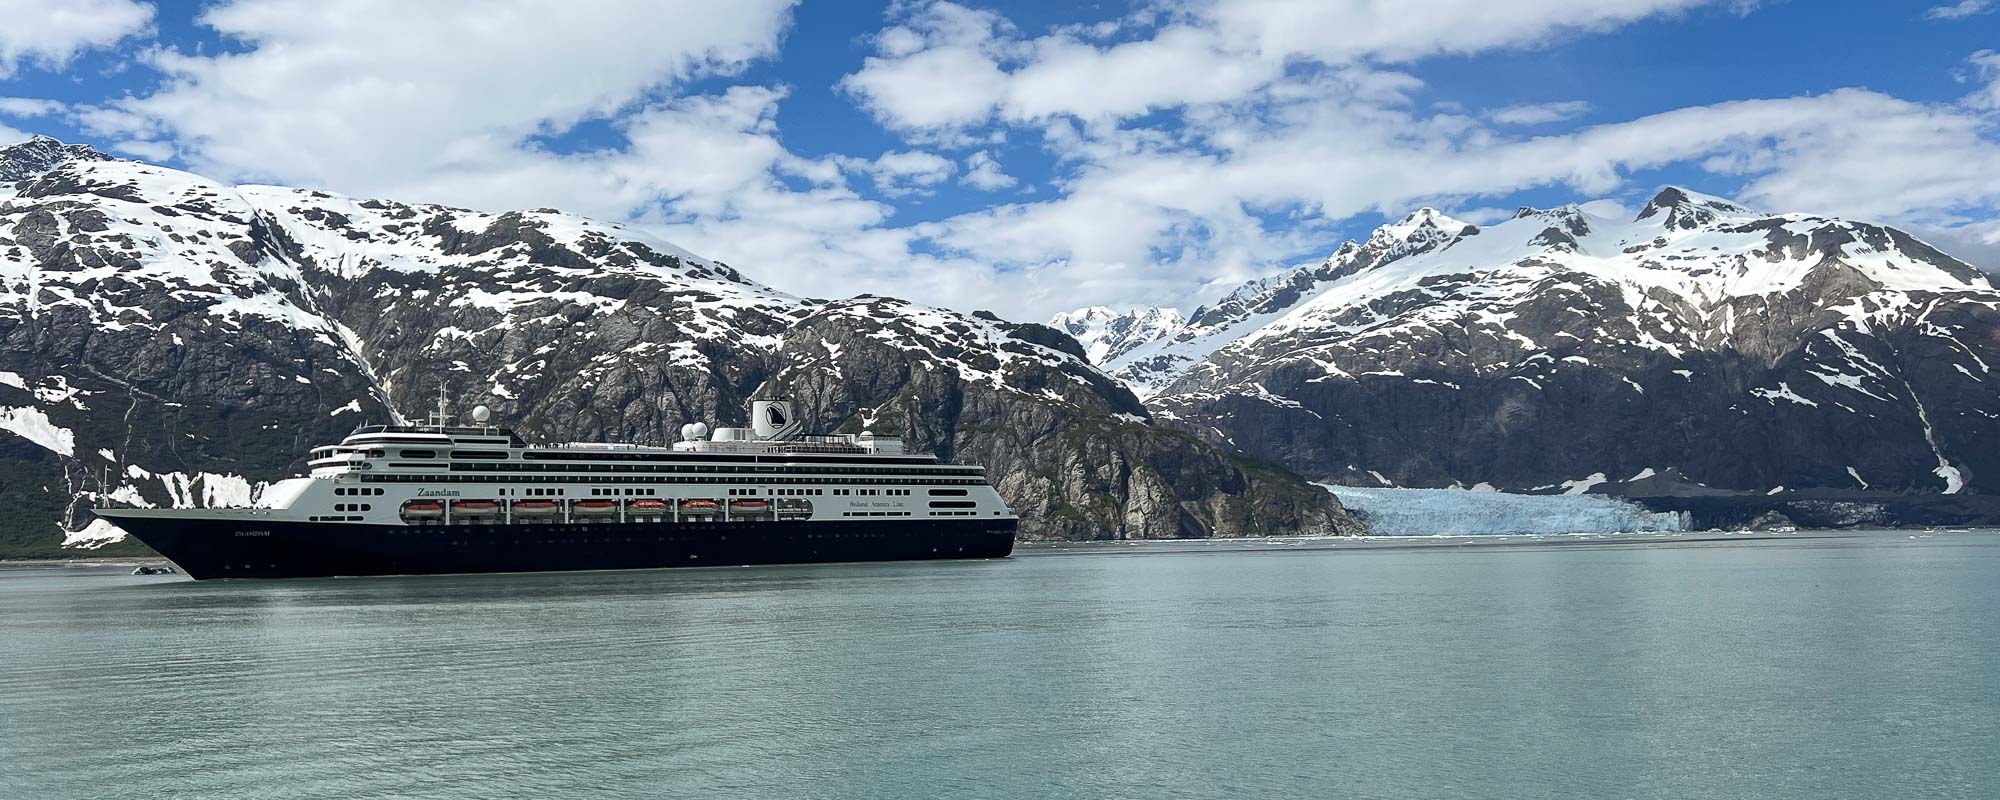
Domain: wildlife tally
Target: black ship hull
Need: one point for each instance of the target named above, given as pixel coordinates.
(263, 548)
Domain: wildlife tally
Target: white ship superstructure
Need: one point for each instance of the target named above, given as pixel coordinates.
(436, 474)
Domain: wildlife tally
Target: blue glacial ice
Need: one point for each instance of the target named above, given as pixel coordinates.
(1463, 512)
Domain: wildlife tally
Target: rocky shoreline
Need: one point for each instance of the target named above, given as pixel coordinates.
(1828, 510)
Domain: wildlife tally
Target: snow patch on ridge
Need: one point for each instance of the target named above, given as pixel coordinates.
(98, 533)
(30, 423)
(1578, 487)
(210, 490)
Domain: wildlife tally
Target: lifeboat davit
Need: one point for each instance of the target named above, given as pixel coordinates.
(595, 506)
(423, 509)
(534, 508)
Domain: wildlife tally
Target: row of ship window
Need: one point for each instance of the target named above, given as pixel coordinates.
(332, 518)
(946, 469)
(874, 513)
(353, 507)
(609, 493)
(671, 461)
(600, 492)
(501, 455)
(382, 478)
(357, 491)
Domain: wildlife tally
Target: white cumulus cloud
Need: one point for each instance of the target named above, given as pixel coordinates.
(362, 94)
(1986, 64)
(903, 173)
(983, 172)
(1959, 10)
(28, 107)
(51, 32)
(947, 66)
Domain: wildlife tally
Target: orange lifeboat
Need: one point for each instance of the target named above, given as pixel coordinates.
(647, 505)
(700, 505)
(749, 504)
(475, 506)
(595, 506)
(423, 509)
(534, 508)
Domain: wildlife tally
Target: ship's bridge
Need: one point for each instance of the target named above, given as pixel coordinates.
(368, 442)
(453, 434)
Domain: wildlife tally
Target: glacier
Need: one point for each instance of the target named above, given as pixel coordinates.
(1467, 512)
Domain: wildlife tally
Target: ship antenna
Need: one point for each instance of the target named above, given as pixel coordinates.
(438, 419)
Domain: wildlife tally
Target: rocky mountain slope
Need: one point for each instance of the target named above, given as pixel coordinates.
(37, 155)
(169, 340)
(1106, 334)
(1699, 344)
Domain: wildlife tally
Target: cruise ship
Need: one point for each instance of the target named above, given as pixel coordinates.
(443, 498)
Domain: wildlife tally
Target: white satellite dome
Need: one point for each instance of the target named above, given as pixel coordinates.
(687, 431)
(701, 430)
(481, 414)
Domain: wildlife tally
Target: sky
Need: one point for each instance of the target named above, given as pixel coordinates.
(1032, 157)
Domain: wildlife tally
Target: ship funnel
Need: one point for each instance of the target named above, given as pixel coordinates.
(772, 418)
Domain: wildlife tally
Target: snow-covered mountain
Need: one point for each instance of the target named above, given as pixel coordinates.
(167, 339)
(38, 155)
(1106, 334)
(1151, 366)
(1562, 349)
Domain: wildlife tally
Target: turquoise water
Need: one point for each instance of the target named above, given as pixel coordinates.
(1861, 666)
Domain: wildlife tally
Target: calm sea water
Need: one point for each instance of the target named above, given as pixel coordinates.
(1862, 666)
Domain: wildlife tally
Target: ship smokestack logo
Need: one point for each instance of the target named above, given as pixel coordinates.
(772, 418)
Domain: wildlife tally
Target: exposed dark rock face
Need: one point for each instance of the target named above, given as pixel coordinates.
(1829, 509)
(1739, 350)
(40, 154)
(168, 340)
(1085, 463)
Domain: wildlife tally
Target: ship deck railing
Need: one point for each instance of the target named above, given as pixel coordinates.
(835, 444)
(766, 446)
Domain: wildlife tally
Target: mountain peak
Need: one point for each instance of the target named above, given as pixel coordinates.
(1421, 226)
(39, 154)
(1081, 316)
(1686, 208)
(1107, 334)
(1429, 216)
